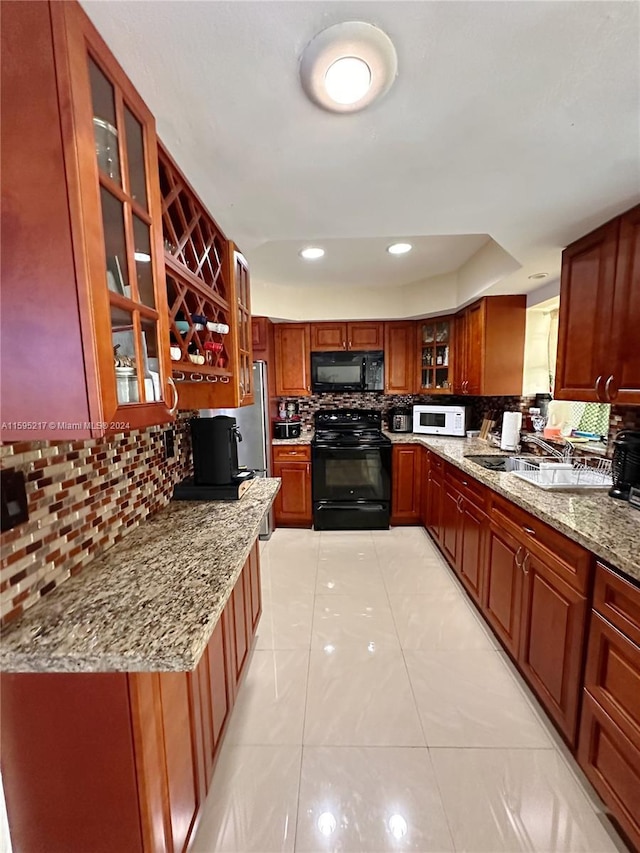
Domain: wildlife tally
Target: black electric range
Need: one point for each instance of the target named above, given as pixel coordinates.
(351, 470)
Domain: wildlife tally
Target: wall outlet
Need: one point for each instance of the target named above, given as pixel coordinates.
(169, 444)
(14, 499)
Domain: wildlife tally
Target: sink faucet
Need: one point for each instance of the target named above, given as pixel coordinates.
(567, 449)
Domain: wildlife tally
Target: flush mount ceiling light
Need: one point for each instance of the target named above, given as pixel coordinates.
(312, 253)
(347, 66)
(538, 275)
(399, 248)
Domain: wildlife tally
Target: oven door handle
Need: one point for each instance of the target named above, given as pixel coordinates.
(359, 448)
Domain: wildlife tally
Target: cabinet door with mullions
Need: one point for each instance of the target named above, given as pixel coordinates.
(114, 205)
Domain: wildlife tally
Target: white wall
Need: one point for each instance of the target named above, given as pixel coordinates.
(540, 347)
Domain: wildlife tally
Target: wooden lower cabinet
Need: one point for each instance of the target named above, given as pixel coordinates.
(406, 470)
(292, 506)
(554, 619)
(433, 500)
(609, 739)
(471, 551)
(121, 761)
(503, 587)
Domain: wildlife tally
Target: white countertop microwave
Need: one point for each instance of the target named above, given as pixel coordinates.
(440, 420)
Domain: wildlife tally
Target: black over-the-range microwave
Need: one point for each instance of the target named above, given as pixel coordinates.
(347, 371)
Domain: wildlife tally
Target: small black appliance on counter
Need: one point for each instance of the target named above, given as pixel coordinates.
(625, 465)
(401, 419)
(216, 474)
(287, 428)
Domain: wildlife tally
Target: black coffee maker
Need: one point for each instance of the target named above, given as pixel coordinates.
(215, 450)
(625, 465)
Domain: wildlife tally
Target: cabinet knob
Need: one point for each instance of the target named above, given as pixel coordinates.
(610, 391)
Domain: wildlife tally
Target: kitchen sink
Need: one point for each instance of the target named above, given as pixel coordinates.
(503, 463)
(551, 474)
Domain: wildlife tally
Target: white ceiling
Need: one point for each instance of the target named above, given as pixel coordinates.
(518, 120)
(364, 261)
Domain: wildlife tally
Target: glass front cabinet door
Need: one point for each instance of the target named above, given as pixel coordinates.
(435, 355)
(114, 199)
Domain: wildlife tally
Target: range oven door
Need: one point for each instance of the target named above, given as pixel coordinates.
(351, 474)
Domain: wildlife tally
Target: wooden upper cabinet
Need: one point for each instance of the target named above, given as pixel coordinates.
(346, 336)
(435, 355)
(293, 360)
(88, 252)
(489, 346)
(243, 334)
(586, 296)
(365, 336)
(260, 334)
(399, 357)
(624, 386)
(598, 354)
(328, 336)
(208, 294)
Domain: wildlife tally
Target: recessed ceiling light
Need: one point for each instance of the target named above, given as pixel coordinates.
(312, 253)
(347, 66)
(399, 248)
(538, 275)
(347, 80)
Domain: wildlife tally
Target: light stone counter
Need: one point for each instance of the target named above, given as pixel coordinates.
(305, 438)
(151, 602)
(608, 527)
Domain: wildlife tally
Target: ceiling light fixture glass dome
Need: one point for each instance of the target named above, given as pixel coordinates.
(399, 248)
(347, 80)
(311, 253)
(347, 66)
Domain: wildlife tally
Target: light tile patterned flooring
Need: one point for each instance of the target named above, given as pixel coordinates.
(379, 714)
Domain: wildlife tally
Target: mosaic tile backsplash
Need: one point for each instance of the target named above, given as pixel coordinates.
(83, 497)
(480, 406)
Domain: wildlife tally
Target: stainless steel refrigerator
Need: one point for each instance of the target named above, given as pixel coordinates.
(254, 451)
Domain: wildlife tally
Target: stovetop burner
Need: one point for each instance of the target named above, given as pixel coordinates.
(349, 427)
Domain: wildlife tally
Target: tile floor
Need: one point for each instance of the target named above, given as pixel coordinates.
(378, 713)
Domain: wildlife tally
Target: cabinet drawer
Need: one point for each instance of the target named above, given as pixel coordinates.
(568, 559)
(618, 600)
(436, 462)
(612, 676)
(612, 764)
(289, 452)
(471, 489)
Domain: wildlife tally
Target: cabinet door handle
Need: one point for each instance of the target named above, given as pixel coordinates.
(524, 563)
(344, 344)
(464, 483)
(610, 394)
(599, 394)
(517, 560)
(350, 342)
(529, 530)
(172, 384)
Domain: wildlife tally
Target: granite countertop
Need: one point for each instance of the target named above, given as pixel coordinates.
(305, 438)
(151, 602)
(608, 527)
